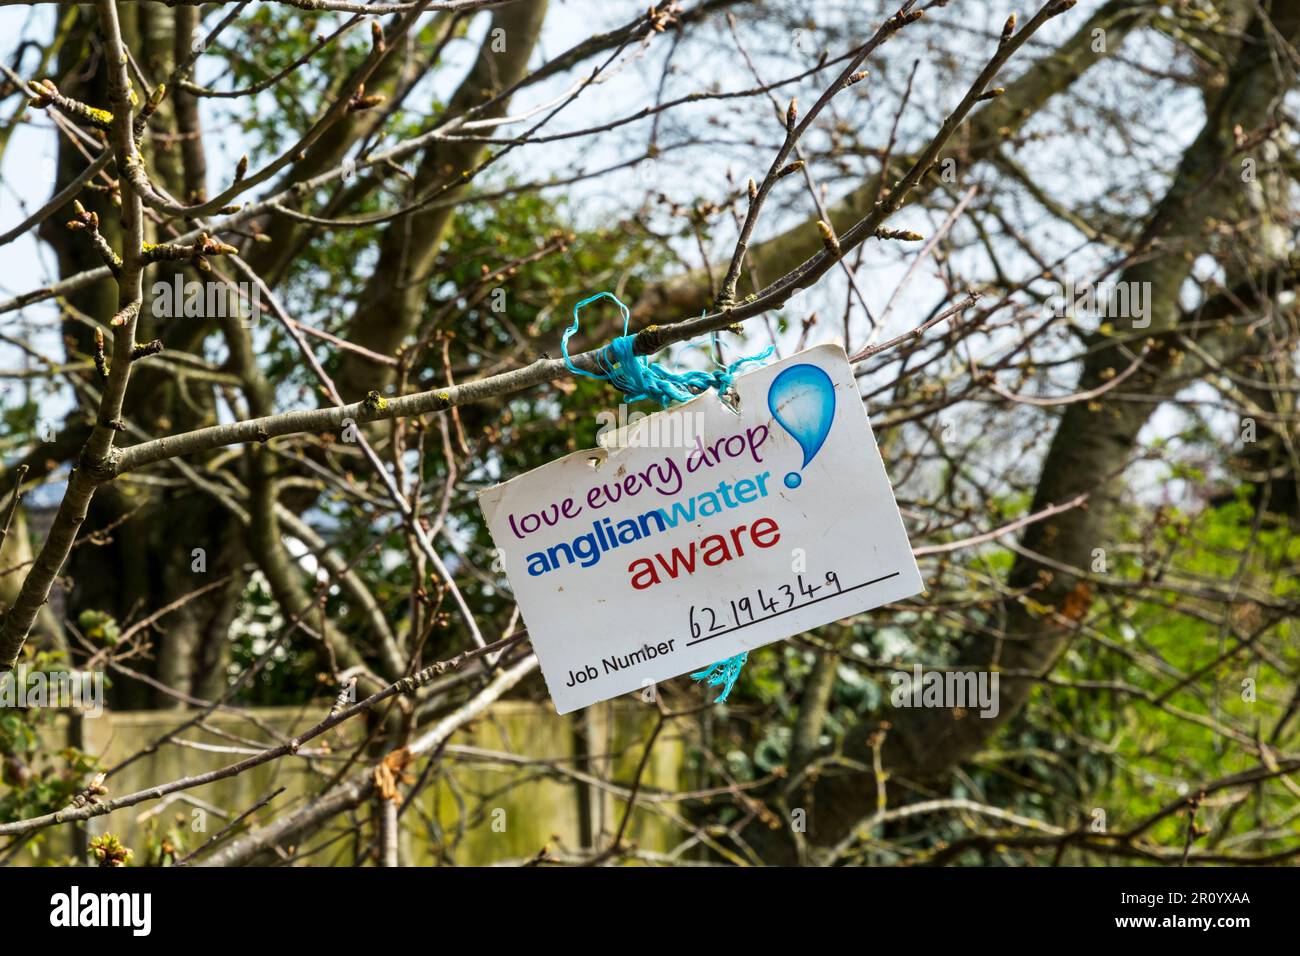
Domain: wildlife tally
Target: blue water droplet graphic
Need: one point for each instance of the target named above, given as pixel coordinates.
(802, 400)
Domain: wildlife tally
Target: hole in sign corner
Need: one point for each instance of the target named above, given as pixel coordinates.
(730, 400)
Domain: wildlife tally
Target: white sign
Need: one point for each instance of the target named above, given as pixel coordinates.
(703, 531)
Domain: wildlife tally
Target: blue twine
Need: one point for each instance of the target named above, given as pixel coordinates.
(723, 673)
(638, 378)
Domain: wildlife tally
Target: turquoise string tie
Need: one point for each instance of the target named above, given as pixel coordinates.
(724, 674)
(638, 378)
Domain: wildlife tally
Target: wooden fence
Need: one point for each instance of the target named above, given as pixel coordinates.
(518, 779)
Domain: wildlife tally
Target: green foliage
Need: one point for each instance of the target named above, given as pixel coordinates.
(287, 675)
(166, 839)
(39, 775)
(107, 850)
(99, 627)
(1081, 750)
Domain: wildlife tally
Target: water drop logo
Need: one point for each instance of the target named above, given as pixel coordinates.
(802, 400)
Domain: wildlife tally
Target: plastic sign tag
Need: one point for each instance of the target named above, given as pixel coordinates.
(702, 531)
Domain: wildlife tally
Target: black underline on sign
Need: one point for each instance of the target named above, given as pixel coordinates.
(797, 607)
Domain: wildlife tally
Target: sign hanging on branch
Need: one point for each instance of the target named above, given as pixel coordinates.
(703, 531)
